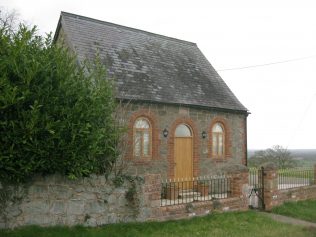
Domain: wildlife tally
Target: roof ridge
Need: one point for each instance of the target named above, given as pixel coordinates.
(126, 27)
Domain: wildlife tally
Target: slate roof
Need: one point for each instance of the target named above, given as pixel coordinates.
(148, 66)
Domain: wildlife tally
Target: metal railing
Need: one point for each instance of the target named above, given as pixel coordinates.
(194, 190)
(293, 178)
(256, 177)
(256, 188)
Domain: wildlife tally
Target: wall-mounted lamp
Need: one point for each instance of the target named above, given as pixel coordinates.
(165, 132)
(204, 134)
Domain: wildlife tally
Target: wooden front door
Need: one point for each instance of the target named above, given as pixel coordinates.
(183, 152)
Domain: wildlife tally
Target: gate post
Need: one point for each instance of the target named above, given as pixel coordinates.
(149, 198)
(239, 184)
(270, 186)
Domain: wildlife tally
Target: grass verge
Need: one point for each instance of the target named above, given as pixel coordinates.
(233, 224)
(304, 210)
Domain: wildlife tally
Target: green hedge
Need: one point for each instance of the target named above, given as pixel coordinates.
(55, 115)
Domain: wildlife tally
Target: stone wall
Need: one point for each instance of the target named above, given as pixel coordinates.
(183, 211)
(296, 194)
(56, 200)
(238, 201)
(94, 201)
(275, 197)
(150, 209)
(168, 117)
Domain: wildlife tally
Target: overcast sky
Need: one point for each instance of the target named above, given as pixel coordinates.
(232, 34)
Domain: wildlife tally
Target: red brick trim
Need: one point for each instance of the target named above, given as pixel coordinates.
(227, 138)
(154, 135)
(196, 146)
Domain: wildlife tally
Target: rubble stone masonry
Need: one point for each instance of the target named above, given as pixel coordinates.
(200, 120)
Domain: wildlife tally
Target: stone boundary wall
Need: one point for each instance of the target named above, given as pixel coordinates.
(274, 197)
(154, 212)
(56, 200)
(94, 201)
(297, 194)
(188, 210)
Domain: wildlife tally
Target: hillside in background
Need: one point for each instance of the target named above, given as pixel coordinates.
(304, 157)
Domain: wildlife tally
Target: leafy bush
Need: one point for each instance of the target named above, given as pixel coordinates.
(55, 115)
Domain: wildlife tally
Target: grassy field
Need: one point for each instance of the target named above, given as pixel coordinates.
(305, 210)
(237, 224)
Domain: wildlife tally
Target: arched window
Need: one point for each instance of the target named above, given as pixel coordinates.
(218, 140)
(142, 138)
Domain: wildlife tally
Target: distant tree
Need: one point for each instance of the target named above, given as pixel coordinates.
(8, 20)
(278, 155)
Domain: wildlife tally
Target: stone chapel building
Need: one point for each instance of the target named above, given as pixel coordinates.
(184, 121)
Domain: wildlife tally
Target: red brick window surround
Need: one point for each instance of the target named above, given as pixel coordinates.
(142, 137)
(219, 139)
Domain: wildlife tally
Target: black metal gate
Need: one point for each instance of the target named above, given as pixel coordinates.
(256, 188)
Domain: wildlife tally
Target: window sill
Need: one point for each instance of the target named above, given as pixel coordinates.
(141, 161)
(220, 159)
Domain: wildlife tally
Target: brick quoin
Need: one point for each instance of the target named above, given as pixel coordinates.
(196, 146)
(146, 113)
(228, 137)
(244, 140)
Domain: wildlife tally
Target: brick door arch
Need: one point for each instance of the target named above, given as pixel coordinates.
(195, 146)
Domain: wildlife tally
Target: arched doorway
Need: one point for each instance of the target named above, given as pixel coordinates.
(183, 152)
